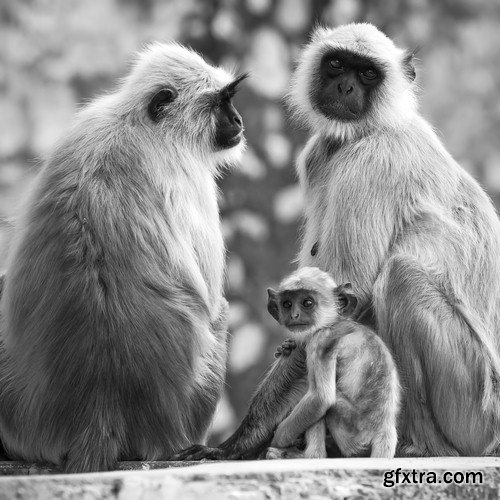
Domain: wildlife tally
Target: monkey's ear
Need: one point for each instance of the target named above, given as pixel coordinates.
(408, 66)
(157, 104)
(272, 303)
(346, 299)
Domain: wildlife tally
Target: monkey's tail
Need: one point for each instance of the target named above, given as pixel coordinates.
(492, 375)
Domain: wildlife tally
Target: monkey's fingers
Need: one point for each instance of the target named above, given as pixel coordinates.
(182, 455)
(281, 453)
(275, 453)
(197, 452)
(279, 352)
(288, 346)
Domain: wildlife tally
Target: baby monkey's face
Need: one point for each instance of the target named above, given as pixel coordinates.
(309, 300)
(298, 309)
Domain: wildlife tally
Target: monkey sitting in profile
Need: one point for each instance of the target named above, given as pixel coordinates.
(113, 336)
(353, 382)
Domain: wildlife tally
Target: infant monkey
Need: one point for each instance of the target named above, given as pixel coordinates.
(353, 383)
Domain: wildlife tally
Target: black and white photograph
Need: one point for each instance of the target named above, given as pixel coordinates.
(249, 249)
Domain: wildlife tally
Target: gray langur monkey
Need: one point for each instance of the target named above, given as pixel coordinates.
(353, 387)
(388, 209)
(113, 315)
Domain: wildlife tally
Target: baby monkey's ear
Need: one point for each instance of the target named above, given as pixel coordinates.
(272, 303)
(346, 299)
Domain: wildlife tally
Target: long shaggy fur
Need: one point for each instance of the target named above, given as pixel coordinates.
(113, 318)
(391, 211)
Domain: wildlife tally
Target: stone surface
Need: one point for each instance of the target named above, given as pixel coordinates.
(256, 480)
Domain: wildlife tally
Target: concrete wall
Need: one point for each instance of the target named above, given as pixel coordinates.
(260, 480)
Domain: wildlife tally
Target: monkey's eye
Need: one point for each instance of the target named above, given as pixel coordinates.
(287, 304)
(335, 64)
(307, 303)
(369, 74)
(160, 100)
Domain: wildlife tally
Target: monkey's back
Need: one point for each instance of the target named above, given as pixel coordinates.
(106, 309)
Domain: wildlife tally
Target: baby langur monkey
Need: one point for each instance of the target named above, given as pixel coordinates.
(353, 383)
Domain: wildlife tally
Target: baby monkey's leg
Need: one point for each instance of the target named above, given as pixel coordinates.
(342, 420)
(315, 440)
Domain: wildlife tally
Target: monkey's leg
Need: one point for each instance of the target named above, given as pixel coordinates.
(310, 409)
(443, 370)
(277, 395)
(342, 421)
(384, 443)
(316, 440)
(209, 391)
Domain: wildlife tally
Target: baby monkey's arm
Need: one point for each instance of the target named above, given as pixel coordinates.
(315, 403)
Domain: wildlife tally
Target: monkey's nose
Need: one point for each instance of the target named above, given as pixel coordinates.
(346, 88)
(237, 119)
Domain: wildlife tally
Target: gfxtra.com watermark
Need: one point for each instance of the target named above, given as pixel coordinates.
(400, 476)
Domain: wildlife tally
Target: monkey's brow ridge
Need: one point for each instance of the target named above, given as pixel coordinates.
(230, 88)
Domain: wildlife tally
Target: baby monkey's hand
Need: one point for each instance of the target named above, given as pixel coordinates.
(285, 348)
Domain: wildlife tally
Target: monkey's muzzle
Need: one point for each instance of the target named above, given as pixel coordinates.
(229, 130)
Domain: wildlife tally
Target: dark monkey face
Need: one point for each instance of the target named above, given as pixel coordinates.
(297, 309)
(228, 125)
(344, 84)
(303, 310)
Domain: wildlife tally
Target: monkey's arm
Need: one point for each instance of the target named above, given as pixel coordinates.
(278, 393)
(320, 396)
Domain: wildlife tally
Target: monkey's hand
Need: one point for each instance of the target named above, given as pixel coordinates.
(198, 452)
(280, 453)
(286, 348)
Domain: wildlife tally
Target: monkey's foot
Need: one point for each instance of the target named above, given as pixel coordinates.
(198, 452)
(409, 449)
(285, 348)
(281, 453)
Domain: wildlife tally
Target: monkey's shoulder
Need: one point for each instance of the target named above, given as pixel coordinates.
(387, 146)
(318, 152)
(344, 336)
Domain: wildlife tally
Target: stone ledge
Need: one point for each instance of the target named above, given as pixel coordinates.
(257, 480)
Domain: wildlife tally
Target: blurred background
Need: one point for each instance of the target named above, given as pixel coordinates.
(56, 54)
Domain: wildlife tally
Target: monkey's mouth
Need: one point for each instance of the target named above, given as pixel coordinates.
(338, 110)
(229, 137)
(233, 141)
(298, 326)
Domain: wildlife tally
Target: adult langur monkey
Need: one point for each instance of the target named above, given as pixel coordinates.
(388, 209)
(114, 320)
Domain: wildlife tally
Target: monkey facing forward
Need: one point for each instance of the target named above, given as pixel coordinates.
(113, 315)
(353, 386)
(388, 208)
